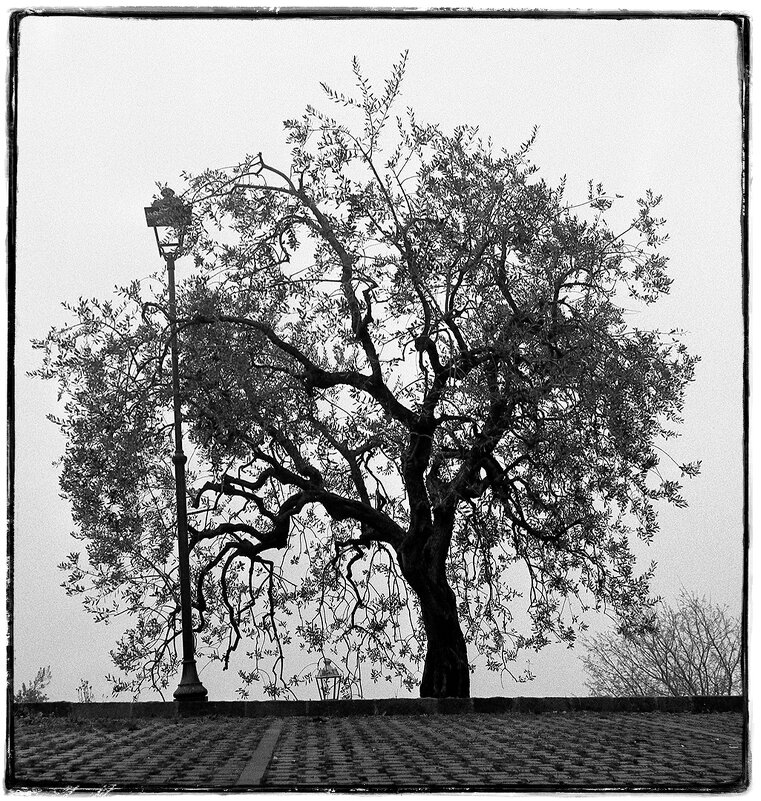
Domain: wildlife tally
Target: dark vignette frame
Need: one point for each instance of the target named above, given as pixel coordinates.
(742, 26)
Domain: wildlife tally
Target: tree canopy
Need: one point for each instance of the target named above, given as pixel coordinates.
(691, 648)
(415, 406)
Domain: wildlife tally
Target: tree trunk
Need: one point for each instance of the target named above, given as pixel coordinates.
(446, 673)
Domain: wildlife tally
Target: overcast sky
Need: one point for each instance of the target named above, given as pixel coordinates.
(107, 107)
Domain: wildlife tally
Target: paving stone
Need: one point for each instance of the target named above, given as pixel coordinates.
(494, 750)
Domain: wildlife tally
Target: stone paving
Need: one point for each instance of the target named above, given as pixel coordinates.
(199, 752)
(474, 751)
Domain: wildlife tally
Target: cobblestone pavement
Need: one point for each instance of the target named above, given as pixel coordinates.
(198, 752)
(463, 751)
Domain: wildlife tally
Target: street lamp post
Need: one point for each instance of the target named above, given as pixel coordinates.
(171, 215)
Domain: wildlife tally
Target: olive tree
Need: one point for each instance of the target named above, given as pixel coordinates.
(416, 408)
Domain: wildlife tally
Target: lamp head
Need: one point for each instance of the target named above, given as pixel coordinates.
(169, 216)
(328, 680)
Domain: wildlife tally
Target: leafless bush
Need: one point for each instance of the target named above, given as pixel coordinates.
(693, 648)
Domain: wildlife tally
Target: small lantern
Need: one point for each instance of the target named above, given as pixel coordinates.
(172, 216)
(328, 680)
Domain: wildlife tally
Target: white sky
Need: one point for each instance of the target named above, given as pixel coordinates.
(107, 107)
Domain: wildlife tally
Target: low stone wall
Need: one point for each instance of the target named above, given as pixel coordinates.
(383, 706)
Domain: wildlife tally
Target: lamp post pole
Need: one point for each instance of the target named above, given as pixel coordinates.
(190, 688)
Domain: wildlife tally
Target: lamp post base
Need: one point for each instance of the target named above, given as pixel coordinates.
(190, 689)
